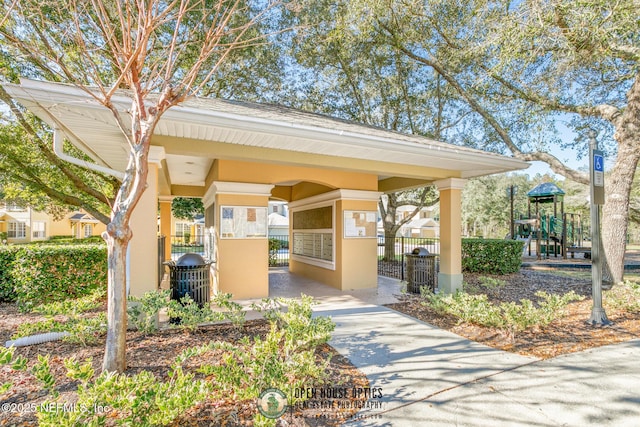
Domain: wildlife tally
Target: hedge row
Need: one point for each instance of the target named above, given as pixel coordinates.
(491, 256)
(7, 286)
(32, 274)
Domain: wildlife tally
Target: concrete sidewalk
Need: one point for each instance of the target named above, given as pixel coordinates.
(432, 377)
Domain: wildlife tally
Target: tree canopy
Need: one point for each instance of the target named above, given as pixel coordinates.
(187, 208)
(506, 74)
(160, 53)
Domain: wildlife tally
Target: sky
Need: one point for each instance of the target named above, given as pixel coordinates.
(568, 156)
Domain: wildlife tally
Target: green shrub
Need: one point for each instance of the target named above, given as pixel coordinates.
(510, 316)
(111, 399)
(624, 297)
(41, 370)
(185, 314)
(188, 315)
(70, 307)
(70, 240)
(49, 273)
(486, 285)
(82, 330)
(274, 246)
(136, 400)
(17, 363)
(8, 254)
(283, 359)
(491, 256)
(144, 312)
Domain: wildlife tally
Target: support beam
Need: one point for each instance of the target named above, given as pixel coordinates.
(143, 248)
(242, 267)
(165, 225)
(450, 275)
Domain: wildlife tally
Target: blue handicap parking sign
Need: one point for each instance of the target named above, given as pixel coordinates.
(598, 163)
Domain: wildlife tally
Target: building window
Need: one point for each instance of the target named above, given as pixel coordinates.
(17, 230)
(182, 228)
(39, 230)
(88, 230)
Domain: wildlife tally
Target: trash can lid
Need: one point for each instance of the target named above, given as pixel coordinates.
(420, 251)
(190, 260)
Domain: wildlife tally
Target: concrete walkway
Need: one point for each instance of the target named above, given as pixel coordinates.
(431, 377)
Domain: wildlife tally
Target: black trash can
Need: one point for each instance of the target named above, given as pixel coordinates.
(421, 270)
(190, 276)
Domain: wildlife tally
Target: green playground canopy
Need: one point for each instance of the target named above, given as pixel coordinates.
(546, 192)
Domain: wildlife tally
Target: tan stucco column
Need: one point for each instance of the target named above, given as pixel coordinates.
(143, 248)
(450, 275)
(240, 222)
(165, 225)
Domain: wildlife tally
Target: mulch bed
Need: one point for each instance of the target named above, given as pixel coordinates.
(565, 335)
(155, 353)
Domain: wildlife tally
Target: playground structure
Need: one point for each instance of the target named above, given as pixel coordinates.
(552, 234)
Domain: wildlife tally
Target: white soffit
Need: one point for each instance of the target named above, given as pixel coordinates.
(93, 128)
(188, 170)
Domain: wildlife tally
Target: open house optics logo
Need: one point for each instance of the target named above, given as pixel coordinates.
(323, 402)
(272, 403)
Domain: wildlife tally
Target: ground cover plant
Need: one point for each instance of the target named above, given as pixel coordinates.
(534, 312)
(508, 316)
(187, 373)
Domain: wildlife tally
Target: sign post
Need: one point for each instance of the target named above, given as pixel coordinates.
(596, 172)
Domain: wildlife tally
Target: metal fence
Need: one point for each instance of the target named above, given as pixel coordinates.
(278, 248)
(391, 256)
(180, 247)
(393, 265)
(279, 251)
(161, 243)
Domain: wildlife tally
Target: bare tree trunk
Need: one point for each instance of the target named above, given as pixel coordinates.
(115, 347)
(118, 236)
(390, 243)
(615, 218)
(615, 215)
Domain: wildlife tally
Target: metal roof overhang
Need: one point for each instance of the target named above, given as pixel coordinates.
(200, 130)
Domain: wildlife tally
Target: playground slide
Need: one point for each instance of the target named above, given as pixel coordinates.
(526, 243)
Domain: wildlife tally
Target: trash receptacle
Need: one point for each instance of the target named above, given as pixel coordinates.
(190, 276)
(421, 270)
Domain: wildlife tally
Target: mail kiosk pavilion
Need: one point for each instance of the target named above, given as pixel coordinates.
(237, 156)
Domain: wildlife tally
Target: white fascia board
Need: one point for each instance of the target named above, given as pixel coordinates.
(484, 161)
(357, 140)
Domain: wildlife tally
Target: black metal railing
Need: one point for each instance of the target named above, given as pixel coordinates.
(391, 259)
(391, 254)
(278, 248)
(181, 245)
(161, 243)
(279, 251)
